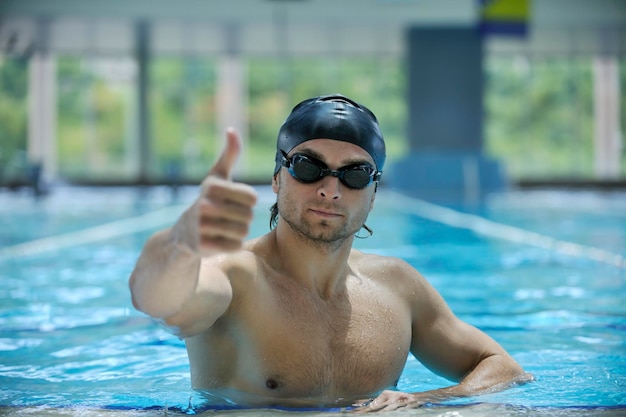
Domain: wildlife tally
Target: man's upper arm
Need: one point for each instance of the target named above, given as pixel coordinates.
(441, 341)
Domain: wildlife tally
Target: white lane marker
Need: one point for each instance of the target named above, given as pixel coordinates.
(406, 204)
(501, 231)
(105, 231)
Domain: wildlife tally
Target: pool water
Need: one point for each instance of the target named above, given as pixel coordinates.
(542, 272)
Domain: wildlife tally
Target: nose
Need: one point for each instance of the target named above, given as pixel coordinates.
(329, 188)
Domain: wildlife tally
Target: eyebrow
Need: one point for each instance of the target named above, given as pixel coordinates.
(344, 163)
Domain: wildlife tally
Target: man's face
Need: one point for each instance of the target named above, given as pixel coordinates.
(325, 211)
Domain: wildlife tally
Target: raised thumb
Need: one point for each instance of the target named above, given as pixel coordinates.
(225, 163)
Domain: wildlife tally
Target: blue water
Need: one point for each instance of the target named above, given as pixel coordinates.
(70, 337)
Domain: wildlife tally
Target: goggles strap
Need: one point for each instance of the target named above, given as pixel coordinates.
(369, 231)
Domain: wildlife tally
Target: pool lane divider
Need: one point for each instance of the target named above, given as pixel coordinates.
(118, 228)
(402, 203)
(485, 227)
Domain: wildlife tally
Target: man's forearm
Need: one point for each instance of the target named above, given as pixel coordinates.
(493, 373)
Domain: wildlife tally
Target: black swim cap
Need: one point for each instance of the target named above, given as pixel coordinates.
(331, 117)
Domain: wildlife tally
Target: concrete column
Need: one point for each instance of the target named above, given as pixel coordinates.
(42, 114)
(445, 127)
(142, 55)
(607, 140)
(232, 94)
(445, 89)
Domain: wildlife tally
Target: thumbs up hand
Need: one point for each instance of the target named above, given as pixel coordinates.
(220, 218)
(226, 161)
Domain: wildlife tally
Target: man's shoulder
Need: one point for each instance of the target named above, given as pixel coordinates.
(377, 262)
(244, 261)
(242, 258)
(391, 272)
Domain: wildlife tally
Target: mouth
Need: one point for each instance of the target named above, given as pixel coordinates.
(325, 213)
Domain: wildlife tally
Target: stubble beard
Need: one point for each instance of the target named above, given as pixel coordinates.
(322, 235)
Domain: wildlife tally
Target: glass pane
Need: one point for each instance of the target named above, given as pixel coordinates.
(13, 120)
(95, 130)
(276, 86)
(539, 115)
(182, 115)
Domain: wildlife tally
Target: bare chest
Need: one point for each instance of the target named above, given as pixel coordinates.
(301, 345)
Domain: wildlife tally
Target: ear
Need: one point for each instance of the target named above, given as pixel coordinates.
(275, 183)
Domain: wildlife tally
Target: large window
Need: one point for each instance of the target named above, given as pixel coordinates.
(97, 119)
(540, 116)
(95, 127)
(278, 85)
(539, 113)
(182, 118)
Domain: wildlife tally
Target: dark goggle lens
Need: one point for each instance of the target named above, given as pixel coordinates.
(357, 177)
(304, 169)
(307, 170)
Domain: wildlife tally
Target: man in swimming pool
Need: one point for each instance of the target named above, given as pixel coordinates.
(298, 317)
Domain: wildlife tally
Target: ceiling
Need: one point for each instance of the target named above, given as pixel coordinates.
(295, 27)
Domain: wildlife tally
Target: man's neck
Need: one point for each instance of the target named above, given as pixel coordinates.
(322, 267)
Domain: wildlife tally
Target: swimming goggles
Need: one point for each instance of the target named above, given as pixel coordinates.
(307, 169)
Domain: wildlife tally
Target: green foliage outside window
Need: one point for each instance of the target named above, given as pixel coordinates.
(182, 117)
(275, 86)
(539, 113)
(13, 119)
(93, 108)
(540, 116)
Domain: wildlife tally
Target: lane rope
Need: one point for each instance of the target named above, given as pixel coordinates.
(485, 227)
(402, 203)
(105, 231)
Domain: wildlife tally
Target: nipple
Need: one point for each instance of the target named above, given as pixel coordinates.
(271, 383)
